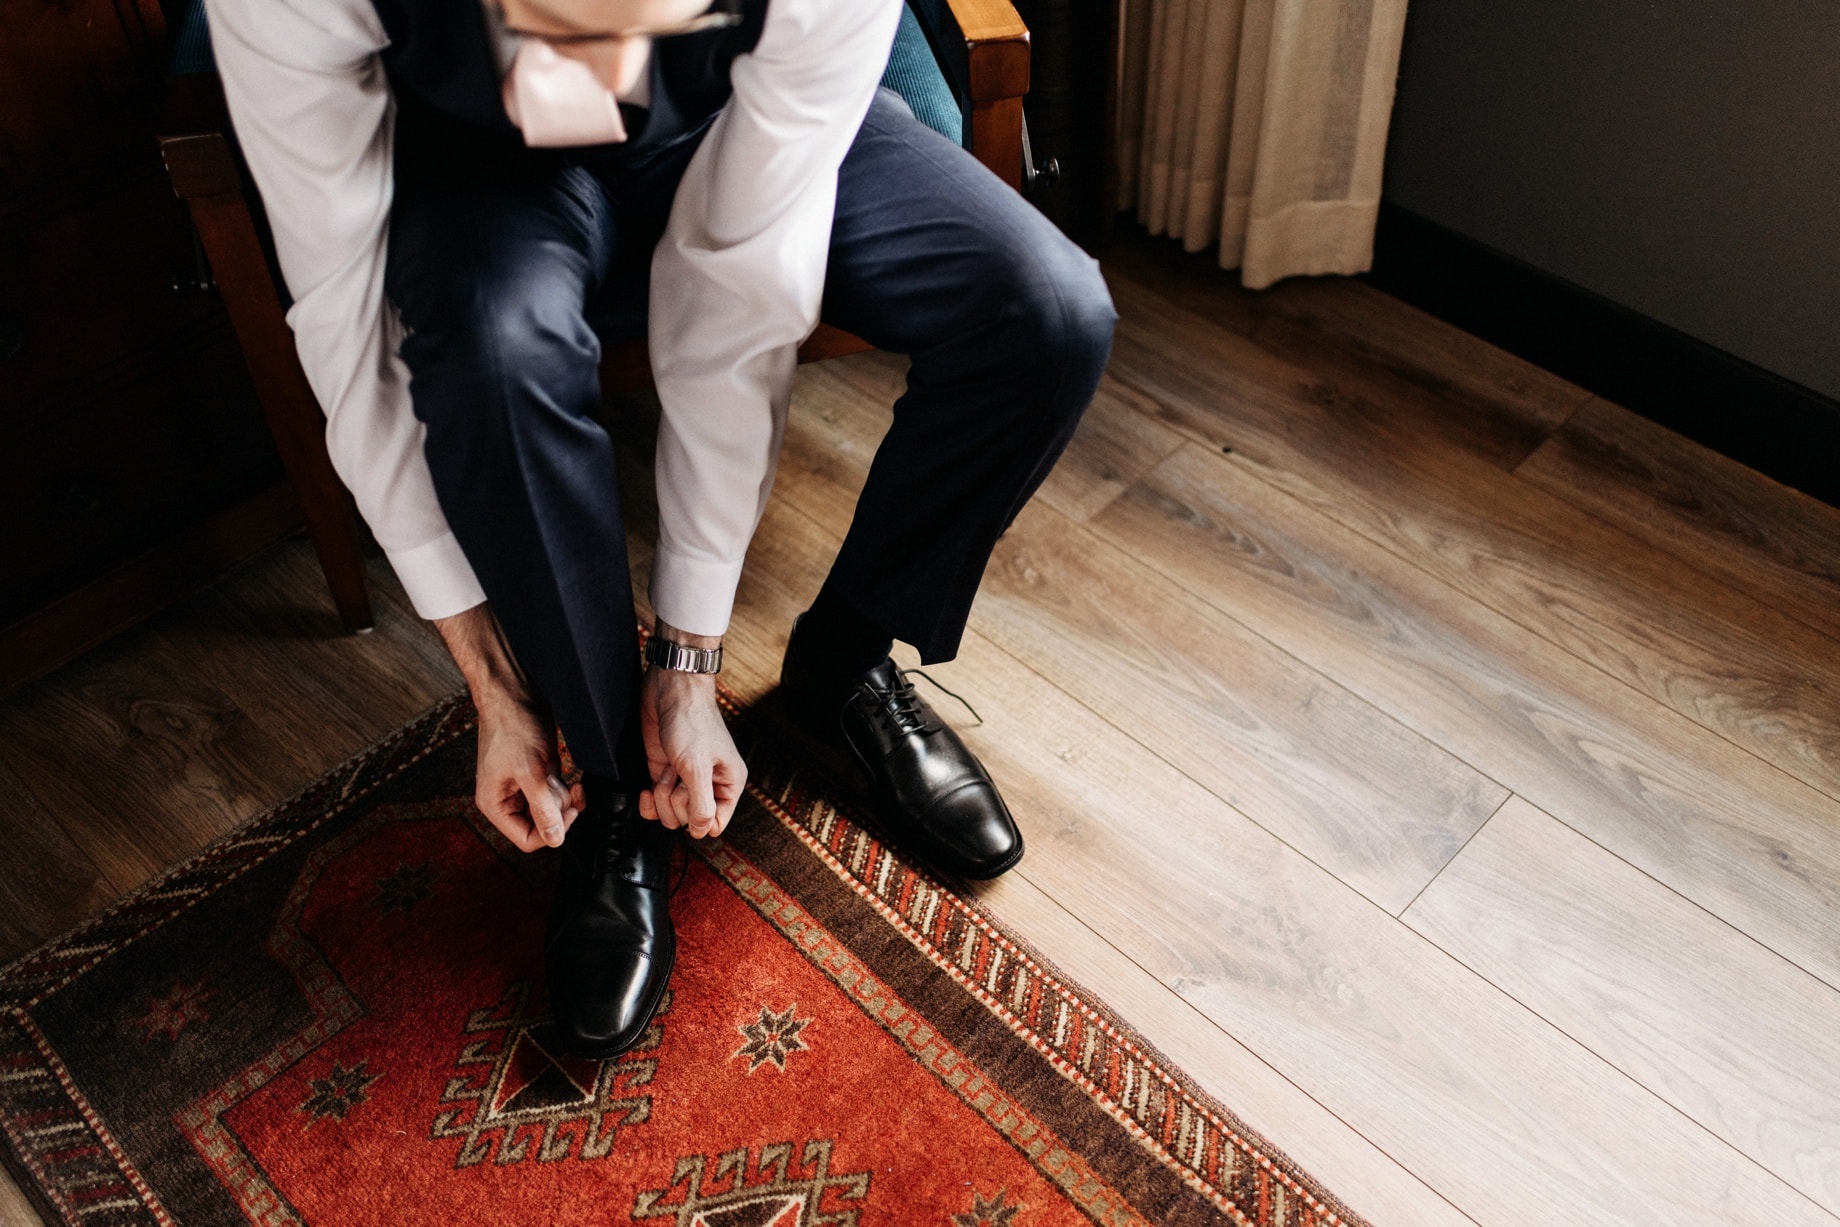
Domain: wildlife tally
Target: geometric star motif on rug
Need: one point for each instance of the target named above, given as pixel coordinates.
(530, 1099)
(169, 1015)
(763, 1194)
(992, 1213)
(401, 890)
(338, 1092)
(772, 1038)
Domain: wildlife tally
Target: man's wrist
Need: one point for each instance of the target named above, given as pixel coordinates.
(492, 674)
(696, 677)
(677, 658)
(671, 634)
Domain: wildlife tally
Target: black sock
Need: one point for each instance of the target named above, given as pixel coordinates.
(837, 642)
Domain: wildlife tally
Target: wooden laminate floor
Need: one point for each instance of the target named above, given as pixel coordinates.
(1441, 764)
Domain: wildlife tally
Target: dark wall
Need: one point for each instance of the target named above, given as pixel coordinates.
(1679, 157)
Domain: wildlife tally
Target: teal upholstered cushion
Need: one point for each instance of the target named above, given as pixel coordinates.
(192, 42)
(913, 72)
(913, 69)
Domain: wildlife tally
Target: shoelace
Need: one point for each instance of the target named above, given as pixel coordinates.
(616, 847)
(902, 703)
(902, 706)
(613, 848)
(677, 847)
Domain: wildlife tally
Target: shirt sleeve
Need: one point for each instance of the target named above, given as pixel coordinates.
(737, 282)
(314, 118)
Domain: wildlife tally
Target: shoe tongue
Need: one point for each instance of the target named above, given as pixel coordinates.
(886, 676)
(597, 826)
(609, 803)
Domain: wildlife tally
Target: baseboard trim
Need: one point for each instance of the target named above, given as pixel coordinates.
(1780, 428)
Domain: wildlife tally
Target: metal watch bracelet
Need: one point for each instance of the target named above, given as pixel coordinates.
(667, 655)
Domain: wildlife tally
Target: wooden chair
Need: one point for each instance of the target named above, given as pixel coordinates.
(982, 47)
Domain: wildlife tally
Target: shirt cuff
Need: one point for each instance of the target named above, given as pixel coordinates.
(436, 575)
(695, 595)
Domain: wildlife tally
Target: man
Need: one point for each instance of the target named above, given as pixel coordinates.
(450, 185)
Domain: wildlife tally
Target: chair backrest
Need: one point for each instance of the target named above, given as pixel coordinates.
(919, 72)
(916, 68)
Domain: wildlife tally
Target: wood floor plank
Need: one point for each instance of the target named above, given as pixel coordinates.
(1349, 1165)
(1741, 838)
(1380, 807)
(169, 736)
(1706, 511)
(15, 1210)
(141, 765)
(1711, 651)
(1737, 1038)
(1375, 804)
(379, 680)
(1484, 1102)
(1495, 405)
(1118, 441)
(47, 885)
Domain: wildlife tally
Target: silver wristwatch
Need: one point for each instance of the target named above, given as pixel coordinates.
(667, 655)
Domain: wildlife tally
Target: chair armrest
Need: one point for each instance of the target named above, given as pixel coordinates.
(194, 141)
(997, 76)
(990, 22)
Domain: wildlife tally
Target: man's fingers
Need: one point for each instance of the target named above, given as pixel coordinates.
(511, 822)
(567, 807)
(544, 795)
(728, 795)
(651, 810)
(696, 826)
(522, 835)
(700, 798)
(663, 794)
(527, 838)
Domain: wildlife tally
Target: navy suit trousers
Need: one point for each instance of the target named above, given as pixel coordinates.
(494, 264)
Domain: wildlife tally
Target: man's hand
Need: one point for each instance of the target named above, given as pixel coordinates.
(515, 781)
(697, 774)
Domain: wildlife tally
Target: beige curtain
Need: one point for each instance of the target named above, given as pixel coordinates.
(1259, 125)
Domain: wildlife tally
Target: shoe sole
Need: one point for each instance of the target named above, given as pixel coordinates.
(1002, 867)
(933, 861)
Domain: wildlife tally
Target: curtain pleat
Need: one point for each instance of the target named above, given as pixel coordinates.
(1259, 126)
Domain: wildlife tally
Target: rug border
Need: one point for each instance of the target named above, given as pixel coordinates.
(159, 900)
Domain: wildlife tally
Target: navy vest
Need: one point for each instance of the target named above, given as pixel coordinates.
(446, 84)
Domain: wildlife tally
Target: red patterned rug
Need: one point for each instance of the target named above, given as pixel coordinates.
(336, 1016)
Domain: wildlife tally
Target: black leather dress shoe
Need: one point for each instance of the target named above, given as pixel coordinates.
(611, 944)
(930, 791)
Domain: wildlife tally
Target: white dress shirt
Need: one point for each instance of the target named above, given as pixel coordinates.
(736, 280)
